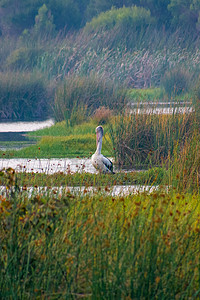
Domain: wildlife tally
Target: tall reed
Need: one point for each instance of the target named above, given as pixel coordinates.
(24, 95)
(146, 139)
(184, 171)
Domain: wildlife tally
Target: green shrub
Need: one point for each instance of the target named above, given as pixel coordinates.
(7, 46)
(24, 96)
(125, 18)
(24, 58)
(44, 21)
(85, 92)
(176, 82)
(128, 27)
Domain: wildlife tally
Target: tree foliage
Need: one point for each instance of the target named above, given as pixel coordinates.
(125, 17)
(15, 16)
(185, 12)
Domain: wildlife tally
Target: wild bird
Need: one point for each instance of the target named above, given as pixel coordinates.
(99, 161)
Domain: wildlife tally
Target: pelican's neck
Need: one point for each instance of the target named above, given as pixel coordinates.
(99, 144)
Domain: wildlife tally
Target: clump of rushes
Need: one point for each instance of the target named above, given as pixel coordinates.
(146, 139)
(70, 244)
(184, 171)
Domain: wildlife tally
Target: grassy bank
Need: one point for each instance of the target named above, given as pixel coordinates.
(100, 246)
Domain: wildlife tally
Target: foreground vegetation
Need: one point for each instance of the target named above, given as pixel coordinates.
(98, 245)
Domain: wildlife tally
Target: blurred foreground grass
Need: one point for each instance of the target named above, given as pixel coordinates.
(99, 246)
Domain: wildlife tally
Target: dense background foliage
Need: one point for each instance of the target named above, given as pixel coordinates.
(132, 44)
(73, 14)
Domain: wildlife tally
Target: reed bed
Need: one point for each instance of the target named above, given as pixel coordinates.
(148, 137)
(141, 246)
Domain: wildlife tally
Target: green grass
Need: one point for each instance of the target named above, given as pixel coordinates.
(61, 129)
(142, 246)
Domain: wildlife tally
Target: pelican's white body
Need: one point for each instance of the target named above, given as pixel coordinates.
(100, 162)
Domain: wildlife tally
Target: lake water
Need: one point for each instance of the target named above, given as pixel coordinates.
(49, 166)
(15, 132)
(24, 126)
(54, 165)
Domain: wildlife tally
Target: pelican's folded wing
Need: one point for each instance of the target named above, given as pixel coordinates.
(108, 163)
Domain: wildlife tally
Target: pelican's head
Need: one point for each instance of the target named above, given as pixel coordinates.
(99, 133)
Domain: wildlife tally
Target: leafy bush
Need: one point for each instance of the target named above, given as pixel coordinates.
(44, 21)
(176, 82)
(24, 96)
(124, 18)
(24, 58)
(123, 27)
(7, 46)
(90, 92)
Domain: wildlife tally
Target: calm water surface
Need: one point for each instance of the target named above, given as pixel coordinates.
(25, 126)
(13, 134)
(49, 166)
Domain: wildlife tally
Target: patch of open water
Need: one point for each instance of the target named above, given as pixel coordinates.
(13, 134)
(54, 165)
(25, 126)
(49, 166)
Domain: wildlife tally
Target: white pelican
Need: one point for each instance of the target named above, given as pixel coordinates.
(100, 162)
